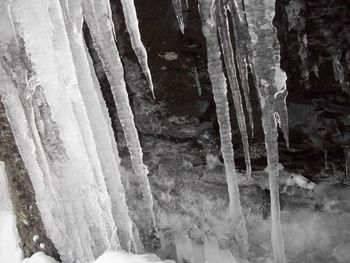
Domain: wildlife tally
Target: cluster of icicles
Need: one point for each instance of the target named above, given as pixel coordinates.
(255, 48)
(62, 128)
(61, 124)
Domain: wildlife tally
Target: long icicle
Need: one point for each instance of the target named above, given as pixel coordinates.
(132, 25)
(207, 11)
(103, 40)
(240, 54)
(65, 64)
(227, 51)
(177, 5)
(99, 121)
(270, 80)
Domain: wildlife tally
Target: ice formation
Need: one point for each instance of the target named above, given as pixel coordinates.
(271, 83)
(102, 32)
(133, 28)
(179, 16)
(228, 55)
(242, 40)
(218, 81)
(61, 125)
(62, 128)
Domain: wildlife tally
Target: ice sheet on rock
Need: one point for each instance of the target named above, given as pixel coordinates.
(177, 5)
(100, 123)
(101, 29)
(102, 220)
(9, 238)
(228, 56)
(85, 205)
(132, 25)
(35, 163)
(218, 81)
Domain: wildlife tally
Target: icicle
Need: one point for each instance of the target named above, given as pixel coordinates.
(198, 83)
(133, 29)
(187, 4)
(338, 70)
(99, 121)
(207, 11)
(227, 51)
(347, 164)
(13, 26)
(241, 49)
(85, 201)
(101, 30)
(325, 156)
(270, 81)
(64, 60)
(281, 108)
(179, 16)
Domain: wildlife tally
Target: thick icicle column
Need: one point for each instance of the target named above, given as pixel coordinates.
(99, 20)
(218, 80)
(61, 124)
(271, 83)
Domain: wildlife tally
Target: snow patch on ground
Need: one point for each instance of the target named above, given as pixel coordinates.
(107, 257)
(9, 249)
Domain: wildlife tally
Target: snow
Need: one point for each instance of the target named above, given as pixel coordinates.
(39, 257)
(107, 257)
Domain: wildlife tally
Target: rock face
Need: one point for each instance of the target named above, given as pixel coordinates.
(180, 139)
